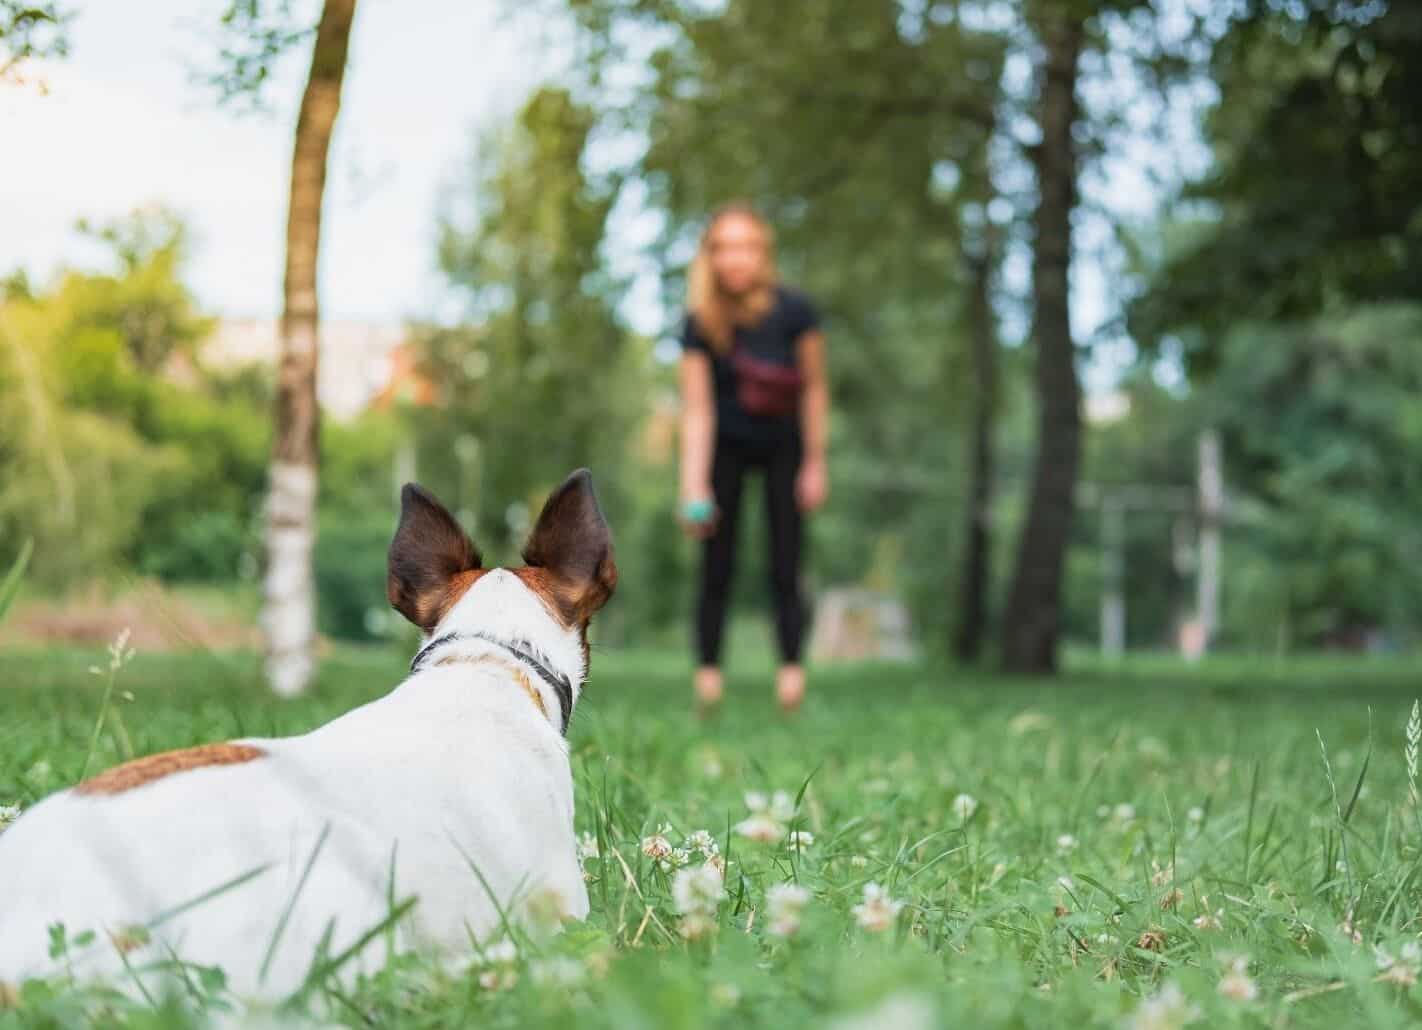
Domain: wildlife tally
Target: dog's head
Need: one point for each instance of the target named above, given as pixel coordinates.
(438, 580)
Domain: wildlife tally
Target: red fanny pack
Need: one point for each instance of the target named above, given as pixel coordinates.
(766, 388)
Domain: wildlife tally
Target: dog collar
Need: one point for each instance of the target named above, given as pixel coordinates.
(561, 685)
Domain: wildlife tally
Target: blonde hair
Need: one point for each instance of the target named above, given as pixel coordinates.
(715, 312)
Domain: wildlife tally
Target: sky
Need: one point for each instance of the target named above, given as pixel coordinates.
(125, 125)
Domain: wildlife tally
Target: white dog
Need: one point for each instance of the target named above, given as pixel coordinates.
(269, 857)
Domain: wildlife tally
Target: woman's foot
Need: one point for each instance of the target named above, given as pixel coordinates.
(707, 685)
(790, 688)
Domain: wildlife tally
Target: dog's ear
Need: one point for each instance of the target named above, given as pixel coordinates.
(428, 557)
(571, 542)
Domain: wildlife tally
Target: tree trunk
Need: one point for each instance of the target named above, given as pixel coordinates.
(1032, 620)
(289, 594)
(973, 609)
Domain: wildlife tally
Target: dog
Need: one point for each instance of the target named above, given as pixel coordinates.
(430, 816)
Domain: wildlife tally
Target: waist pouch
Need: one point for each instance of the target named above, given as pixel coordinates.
(766, 388)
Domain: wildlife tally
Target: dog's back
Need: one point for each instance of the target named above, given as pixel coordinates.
(263, 856)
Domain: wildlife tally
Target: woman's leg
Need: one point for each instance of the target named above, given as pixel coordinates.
(718, 558)
(786, 532)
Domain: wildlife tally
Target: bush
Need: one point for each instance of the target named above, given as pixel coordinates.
(350, 576)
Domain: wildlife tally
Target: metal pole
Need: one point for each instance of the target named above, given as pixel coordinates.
(1113, 568)
(1211, 487)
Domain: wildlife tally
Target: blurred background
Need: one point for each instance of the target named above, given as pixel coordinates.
(1123, 304)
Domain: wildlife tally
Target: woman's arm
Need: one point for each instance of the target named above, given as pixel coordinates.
(812, 484)
(698, 426)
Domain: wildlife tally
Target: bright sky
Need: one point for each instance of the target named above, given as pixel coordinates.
(125, 125)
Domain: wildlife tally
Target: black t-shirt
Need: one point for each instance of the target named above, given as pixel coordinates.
(772, 339)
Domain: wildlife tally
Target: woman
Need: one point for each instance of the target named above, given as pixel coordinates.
(754, 397)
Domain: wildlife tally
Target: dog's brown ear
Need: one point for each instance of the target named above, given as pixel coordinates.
(429, 558)
(571, 542)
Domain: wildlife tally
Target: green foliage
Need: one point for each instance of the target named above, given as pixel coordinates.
(87, 371)
(1314, 199)
(31, 29)
(10, 585)
(544, 378)
(1130, 785)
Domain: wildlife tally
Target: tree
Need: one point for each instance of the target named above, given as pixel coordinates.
(1313, 198)
(258, 33)
(1032, 620)
(542, 377)
(30, 30)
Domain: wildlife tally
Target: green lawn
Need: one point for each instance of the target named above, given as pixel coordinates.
(1134, 833)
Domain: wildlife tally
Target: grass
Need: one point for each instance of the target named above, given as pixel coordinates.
(1130, 846)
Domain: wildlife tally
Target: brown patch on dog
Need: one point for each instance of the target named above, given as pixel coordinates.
(146, 770)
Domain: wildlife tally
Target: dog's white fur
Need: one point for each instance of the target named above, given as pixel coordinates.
(455, 789)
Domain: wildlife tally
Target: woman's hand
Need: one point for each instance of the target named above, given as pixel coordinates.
(697, 514)
(811, 484)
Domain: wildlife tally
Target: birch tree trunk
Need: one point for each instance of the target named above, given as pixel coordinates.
(1032, 620)
(289, 591)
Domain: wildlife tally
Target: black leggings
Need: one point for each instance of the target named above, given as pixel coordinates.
(780, 464)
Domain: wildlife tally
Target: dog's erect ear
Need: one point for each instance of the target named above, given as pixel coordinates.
(428, 556)
(572, 542)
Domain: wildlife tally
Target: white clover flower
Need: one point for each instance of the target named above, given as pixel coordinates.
(756, 801)
(801, 839)
(1401, 974)
(1196, 814)
(1238, 987)
(8, 814)
(782, 806)
(1208, 921)
(557, 971)
(761, 828)
(703, 844)
(1066, 883)
(502, 978)
(726, 996)
(1167, 1009)
(546, 908)
(1236, 983)
(696, 926)
(502, 952)
(657, 847)
(877, 912)
(698, 890)
(1124, 812)
(1066, 843)
(784, 905)
(858, 861)
(1411, 953)
(587, 847)
(964, 805)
